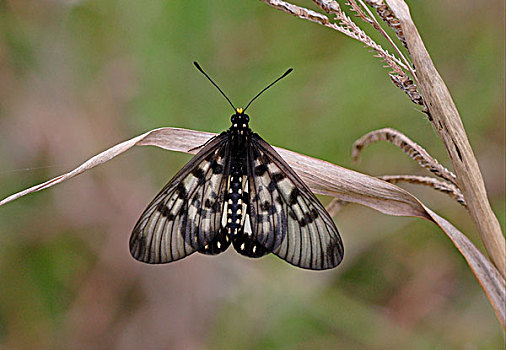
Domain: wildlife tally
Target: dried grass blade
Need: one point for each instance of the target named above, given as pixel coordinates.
(322, 177)
(447, 121)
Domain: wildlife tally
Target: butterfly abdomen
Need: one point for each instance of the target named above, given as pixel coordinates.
(235, 199)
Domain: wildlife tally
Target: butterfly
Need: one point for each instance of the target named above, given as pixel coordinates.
(237, 190)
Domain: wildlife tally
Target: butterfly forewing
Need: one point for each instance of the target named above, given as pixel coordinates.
(186, 215)
(286, 217)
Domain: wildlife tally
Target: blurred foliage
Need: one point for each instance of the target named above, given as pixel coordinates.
(79, 76)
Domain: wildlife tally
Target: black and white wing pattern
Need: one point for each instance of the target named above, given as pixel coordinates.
(186, 215)
(285, 217)
(237, 190)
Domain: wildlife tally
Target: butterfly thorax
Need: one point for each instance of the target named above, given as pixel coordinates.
(239, 129)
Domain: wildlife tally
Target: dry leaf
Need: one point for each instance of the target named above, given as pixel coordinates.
(323, 178)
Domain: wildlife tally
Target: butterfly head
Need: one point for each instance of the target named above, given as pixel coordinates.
(239, 119)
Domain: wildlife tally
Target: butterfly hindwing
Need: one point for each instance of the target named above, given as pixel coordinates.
(286, 217)
(186, 215)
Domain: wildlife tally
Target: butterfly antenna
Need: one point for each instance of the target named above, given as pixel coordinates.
(268, 86)
(211, 80)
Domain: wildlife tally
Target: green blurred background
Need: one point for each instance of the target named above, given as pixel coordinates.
(77, 77)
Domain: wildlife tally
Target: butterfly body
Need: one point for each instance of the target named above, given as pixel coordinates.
(236, 197)
(238, 191)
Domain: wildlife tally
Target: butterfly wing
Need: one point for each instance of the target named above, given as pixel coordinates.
(285, 216)
(186, 215)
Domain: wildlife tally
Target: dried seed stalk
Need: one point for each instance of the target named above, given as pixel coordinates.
(404, 83)
(369, 18)
(349, 28)
(409, 147)
(438, 185)
(389, 18)
(345, 26)
(336, 205)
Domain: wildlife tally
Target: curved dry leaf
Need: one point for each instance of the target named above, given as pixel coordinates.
(323, 178)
